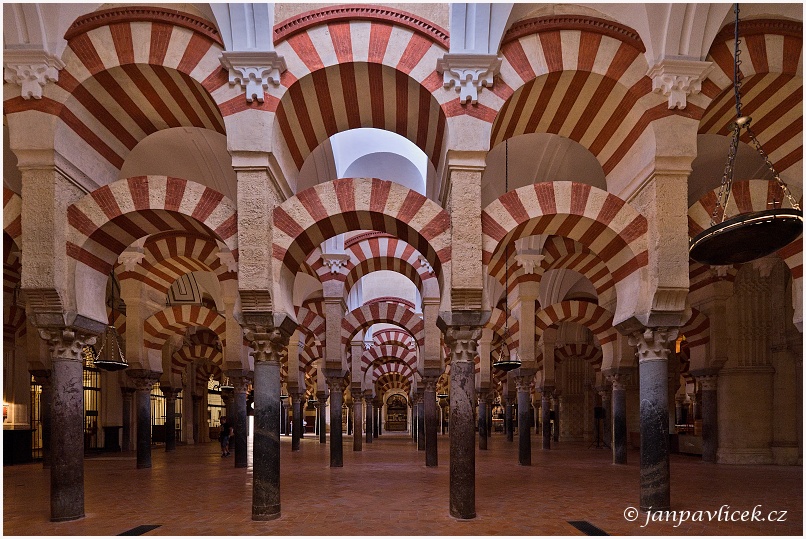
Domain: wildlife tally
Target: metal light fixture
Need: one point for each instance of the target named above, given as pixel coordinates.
(226, 384)
(110, 354)
(506, 362)
(746, 236)
(442, 395)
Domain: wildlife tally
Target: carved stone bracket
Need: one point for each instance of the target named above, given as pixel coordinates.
(678, 78)
(143, 379)
(66, 343)
(130, 259)
(32, 69)
(462, 340)
(253, 70)
(266, 345)
(425, 264)
(468, 73)
(335, 261)
(228, 261)
(653, 343)
(529, 252)
(524, 383)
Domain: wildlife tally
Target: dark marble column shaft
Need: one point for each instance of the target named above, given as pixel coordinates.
(370, 418)
(556, 419)
(619, 405)
(607, 422)
(197, 400)
(43, 378)
(546, 417)
(358, 419)
(336, 401)
(378, 416)
(421, 425)
(710, 431)
(483, 422)
(170, 419)
(322, 413)
(67, 440)
(508, 423)
(524, 423)
(241, 421)
(142, 404)
(296, 421)
(431, 422)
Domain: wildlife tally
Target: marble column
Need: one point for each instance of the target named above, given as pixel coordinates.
(482, 422)
(420, 423)
(170, 417)
(546, 416)
(607, 421)
(296, 421)
(489, 403)
(619, 418)
(197, 400)
(652, 345)
(358, 421)
(508, 421)
(462, 341)
(43, 378)
(336, 400)
(143, 381)
(556, 400)
(710, 433)
(378, 416)
(321, 413)
(67, 422)
(522, 383)
(241, 420)
(267, 351)
(431, 420)
(370, 417)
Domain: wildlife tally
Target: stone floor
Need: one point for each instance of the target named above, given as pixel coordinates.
(387, 490)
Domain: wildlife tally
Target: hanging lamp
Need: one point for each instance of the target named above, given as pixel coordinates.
(226, 384)
(110, 354)
(505, 362)
(746, 236)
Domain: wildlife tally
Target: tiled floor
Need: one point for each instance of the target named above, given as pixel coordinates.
(387, 490)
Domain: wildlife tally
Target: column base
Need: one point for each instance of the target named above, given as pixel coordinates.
(66, 519)
(271, 514)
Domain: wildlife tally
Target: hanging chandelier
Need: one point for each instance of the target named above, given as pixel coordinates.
(752, 235)
(226, 384)
(505, 361)
(110, 354)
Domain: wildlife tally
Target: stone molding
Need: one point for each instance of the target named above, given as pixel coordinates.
(335, 261)
(352, 12)
(678, 78)
(554, 23)
(468, 73)
(253, 71)
(754, 27)
(31, 69)
(130, 259)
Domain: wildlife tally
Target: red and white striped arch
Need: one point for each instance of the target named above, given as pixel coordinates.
(206, 371)
(604, 223)
(588, 352)
(747, 196)
(332, 60)
(700, 275)
(392, 381)
(197, 353)
(579, 77)
(304, 221)
(697, 329)
(393, 336)
(174, 320)
(170, 255)
(584, 313)
(311, 323)
(382, 312)
(131, 71)
(499, 320)
(12, 212)
(105, 222)
(772, 86)
(379, 353)
(392, 366)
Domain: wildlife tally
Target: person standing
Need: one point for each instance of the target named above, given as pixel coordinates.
(224, 436)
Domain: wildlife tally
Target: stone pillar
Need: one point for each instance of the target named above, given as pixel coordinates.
(508, 420)
(546, 416)
(144, 381)
(652, 345)
(378, 417)
(619, 418)
(358, 421)
(710, 433)
(483, 422)
(607, 421)
(489, 403)
(267, 351)
(524, 424)
(241, 388)
(556, 416)
(43, 378)
(296, 421)
(67, 422)
(197, 402)
(462, 341)
(321, 412)
(420, 422)
(370, 417)
(170, 417)
(336, 399)
(431, 420)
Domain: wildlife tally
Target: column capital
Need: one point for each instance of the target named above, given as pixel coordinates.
(253, 71)
(430, 383)
(240, 384)
(335, 383)
(546, 392)
(523, 383)
(66, 343)
(268, 344)
(678, 78)
(32, 69)
(468, 73)
(463, 341)
(707, 382)
(653, 343)
(143, 379)
(170, 392)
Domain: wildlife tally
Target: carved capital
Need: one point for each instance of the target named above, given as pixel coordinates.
(227, 260)
(335, 384)
(707, 383)
(653, 343)
(66, 343)
(143, 379)
(618, 383)
(253, 70)
(268, 345)
(529, 261)
(468, 73)
(130, 259)
(335, 261)
(720, 272)
(170, 392)
(524, 383)
(32, 69)
(546, 393)
(240, 384)
(462, 340)
(678, 78)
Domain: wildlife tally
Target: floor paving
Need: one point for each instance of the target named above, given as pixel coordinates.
(386, 489)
